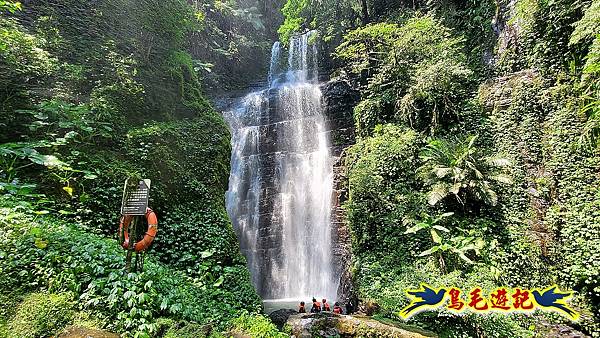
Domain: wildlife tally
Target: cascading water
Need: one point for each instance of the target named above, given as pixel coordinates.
(280, 188)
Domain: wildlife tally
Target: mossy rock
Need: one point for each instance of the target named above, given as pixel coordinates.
(41, 315)
(82, 332)
(185, 329)
(331, 325)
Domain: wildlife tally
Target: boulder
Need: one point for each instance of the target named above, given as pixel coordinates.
(327, 324)
(280, 317)
(82, 332)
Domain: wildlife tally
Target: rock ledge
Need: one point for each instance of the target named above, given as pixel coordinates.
(333, 325)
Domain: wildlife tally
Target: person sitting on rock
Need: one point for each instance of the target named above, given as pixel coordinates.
(316, 307)
(326, 305)
(301, 309)
(337, 308)
(349, 307)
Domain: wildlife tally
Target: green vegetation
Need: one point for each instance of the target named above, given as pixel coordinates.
(39, 314)
(457, 167)
(87, 272)
(414, 73)
(477, 153)
(92, 94)
(256, 326)
(476, 160)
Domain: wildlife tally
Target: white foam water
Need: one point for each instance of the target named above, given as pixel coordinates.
(280, 187)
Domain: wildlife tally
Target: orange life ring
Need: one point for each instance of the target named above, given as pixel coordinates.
(148, 236)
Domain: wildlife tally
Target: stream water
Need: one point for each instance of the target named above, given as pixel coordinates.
(280, 187)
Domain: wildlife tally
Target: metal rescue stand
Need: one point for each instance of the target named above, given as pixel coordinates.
(134, 207)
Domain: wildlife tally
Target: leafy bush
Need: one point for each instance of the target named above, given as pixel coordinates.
(41, 315)
(587, 30)
(547, 44)
(10, 6)
(185, 329)
(416, 70)
(386, 285)
(194, 237)
(332, 19)
(24, 64)
(46, 254)
(368, 113)
(293, 11)
(256, 326)
(446, 241)
(382, 195)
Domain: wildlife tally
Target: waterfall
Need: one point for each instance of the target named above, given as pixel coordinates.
(274, 65)
(280, 188)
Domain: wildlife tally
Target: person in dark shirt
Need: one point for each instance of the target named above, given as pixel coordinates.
(349, 307)
(301, 309)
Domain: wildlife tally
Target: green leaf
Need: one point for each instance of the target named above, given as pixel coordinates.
(90, 176)
(441, 228)
(164, 304)
(50, 161)
(69, 190)
(70, 135)
(438, 193)
(128, 294)
(416, 228)
(436, 237)
(430, 251)
(219, 281)
(40, 243)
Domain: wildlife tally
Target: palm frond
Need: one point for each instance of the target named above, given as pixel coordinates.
(441, 172)
(437, 193)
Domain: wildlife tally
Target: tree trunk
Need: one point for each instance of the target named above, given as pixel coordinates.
(365, 12)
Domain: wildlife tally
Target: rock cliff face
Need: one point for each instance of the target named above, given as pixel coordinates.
(506, 25)
(339, 99)
(499, 96)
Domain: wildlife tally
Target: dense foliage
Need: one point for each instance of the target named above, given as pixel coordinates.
(414, 73)
(46, 254)
(475, 164)
(92, 94)
(454, 185)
